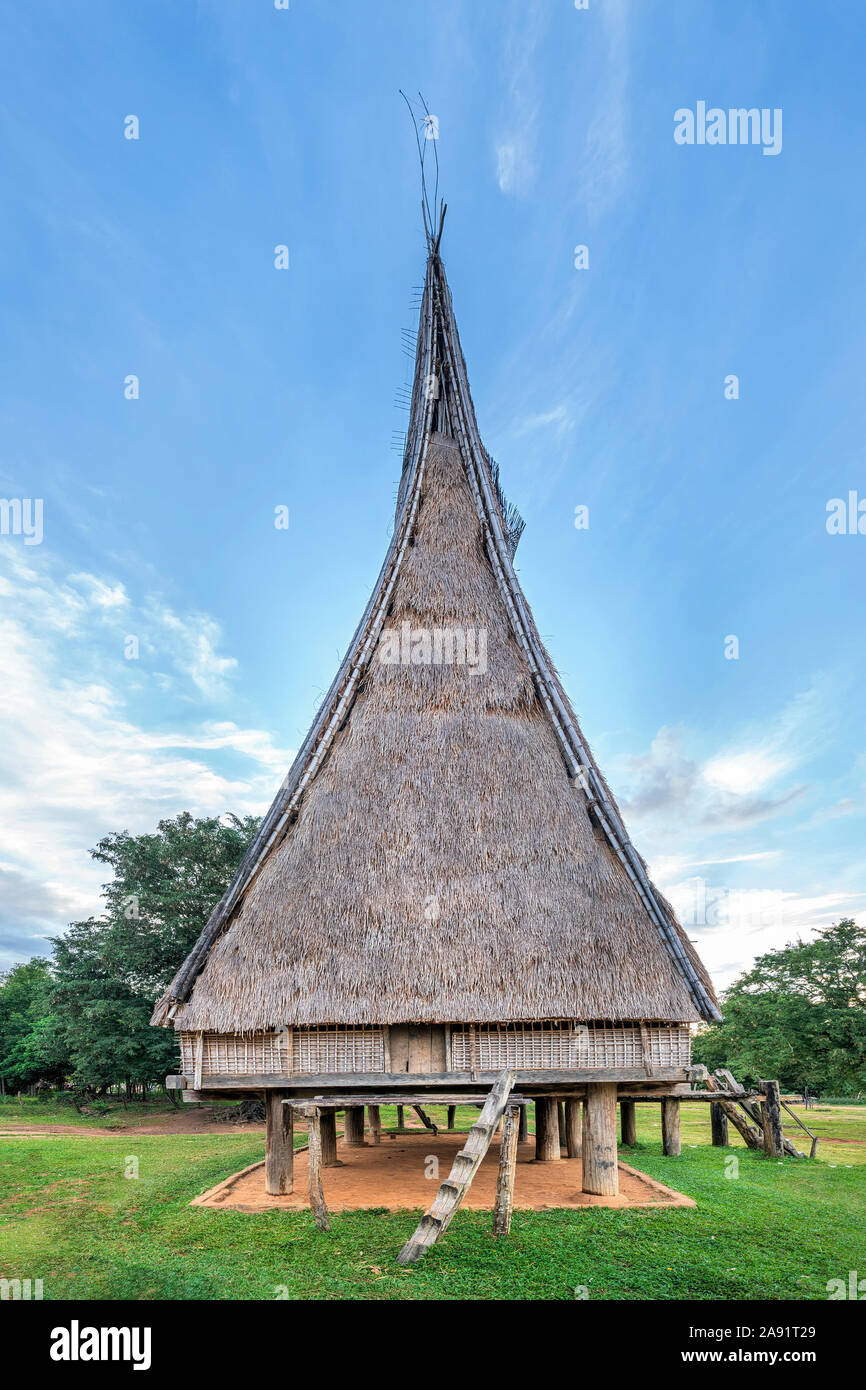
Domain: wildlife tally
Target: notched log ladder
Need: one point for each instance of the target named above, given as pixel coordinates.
(452, 1191)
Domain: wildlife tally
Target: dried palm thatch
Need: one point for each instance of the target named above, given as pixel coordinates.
(444, 847)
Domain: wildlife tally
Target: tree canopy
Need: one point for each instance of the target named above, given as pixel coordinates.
(799, 1014)
(85, 1014)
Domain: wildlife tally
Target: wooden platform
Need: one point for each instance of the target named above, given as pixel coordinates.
(392, 1175)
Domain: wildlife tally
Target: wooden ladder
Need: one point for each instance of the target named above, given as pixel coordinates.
(452, 1191)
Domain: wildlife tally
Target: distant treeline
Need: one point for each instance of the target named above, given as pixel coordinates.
(81, 1017)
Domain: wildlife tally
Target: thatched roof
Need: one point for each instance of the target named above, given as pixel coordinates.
(443, 848)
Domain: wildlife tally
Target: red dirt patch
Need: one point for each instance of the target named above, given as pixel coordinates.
(392, 1176)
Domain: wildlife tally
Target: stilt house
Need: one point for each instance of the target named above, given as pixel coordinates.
(443, 889)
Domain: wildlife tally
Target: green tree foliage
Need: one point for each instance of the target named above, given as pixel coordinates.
(799, 1014)
(93, 1022)
(28, 1028)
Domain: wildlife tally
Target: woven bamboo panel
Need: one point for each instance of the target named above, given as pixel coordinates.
(336, 1049)
(327, 1049)
(567, 1044)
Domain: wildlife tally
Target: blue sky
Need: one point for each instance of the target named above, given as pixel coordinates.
(601, 387)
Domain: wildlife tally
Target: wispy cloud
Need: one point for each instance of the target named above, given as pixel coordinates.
(76, 761)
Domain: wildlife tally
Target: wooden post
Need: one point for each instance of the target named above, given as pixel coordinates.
(317, 1196)
(353, 1129)
(375, 1123)
(719, 1126)
(400, 1117)
(600, 1173)
(671, 1127)
(774, 1139)
(563, 1142)
(507, 1165)
(279, 1145)
(523, 1132)
(628, 1123)
(546, 1131)
(573, 1131)
(452, 1110)
(328, 1128)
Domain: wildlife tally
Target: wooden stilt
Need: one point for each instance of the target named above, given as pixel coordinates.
(375, 1123)
(560, 1107)
(600, 1174)
(279, 1145)
(317, 1195)
(523, 1132)
(328, 1127)
(628, 1123)
(546, 1131)
(507, 1166)
(400, 1124)
(719, 1126)
(671, 1127)
(573, 1129)
(774, 1139)
(452, 1111)
(353, 1129)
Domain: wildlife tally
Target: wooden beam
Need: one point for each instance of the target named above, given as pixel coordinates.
(375, 1123)
(546, 1130)
(719, 1126)
(314, 1157)
(353, 1129)
(452, 1191)
(504, 1203)
(279, 1146)
(671, 1144)
(753, 1110)
(573, 1129)
(328, 1127)
(560, 1106)
(310, 1082)
(774, 1139)
(627, 1123)
(425, 1119)
(600, 1173)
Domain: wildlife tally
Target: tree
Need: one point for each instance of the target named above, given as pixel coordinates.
(31, 1047)
(109, 971)
(799, 1014)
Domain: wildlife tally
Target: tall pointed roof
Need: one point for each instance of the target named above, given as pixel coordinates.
(444, 847)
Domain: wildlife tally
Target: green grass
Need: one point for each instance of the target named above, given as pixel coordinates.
(25, 1111)
(777, 1231)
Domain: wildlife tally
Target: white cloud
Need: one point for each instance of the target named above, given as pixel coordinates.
(76, 762)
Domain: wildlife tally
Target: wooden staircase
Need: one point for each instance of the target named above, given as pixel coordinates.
(452, 1191)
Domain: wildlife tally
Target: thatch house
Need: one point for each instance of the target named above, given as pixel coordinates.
(443, 888)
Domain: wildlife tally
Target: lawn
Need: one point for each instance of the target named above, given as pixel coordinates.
(69, 1214)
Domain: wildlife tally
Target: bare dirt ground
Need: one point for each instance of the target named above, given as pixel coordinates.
(398, 1175)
